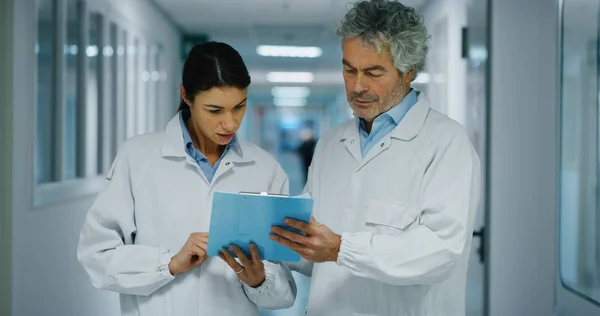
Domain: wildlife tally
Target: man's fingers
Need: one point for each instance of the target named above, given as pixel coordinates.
(288, 243)
(295, 237)
(303, 226)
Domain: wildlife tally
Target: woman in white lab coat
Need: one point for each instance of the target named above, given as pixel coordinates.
(146, 234)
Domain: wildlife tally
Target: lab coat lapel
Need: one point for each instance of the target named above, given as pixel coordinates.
(173, 144)
(408, 128)
(351, 140)
(377, 149)
(234, 157)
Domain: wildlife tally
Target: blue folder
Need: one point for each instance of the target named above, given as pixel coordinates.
(241, 218)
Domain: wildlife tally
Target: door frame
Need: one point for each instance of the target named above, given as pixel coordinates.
(6, 105)
(485, 138)
(487, 162)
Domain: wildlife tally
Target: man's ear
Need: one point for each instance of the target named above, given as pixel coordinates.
(409, 75)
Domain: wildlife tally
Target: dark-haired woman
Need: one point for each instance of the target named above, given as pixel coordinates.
(146, 234)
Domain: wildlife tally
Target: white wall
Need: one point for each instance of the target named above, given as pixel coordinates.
(524, 154)
(6, 30)
(46, 277)
(448, 73)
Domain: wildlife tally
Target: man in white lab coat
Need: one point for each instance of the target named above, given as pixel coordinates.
(396, 188)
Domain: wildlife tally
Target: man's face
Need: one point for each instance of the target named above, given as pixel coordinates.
(373, 84)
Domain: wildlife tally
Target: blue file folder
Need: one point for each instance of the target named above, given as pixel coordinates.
(241, 218)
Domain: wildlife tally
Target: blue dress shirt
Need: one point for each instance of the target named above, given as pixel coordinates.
(385, 123)
(208, 170)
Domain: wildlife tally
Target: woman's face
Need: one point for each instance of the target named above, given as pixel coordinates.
(218, 112)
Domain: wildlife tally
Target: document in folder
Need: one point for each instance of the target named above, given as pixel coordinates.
(241, 218)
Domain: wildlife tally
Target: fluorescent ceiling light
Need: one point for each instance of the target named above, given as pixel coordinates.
(290, 92)
(91, 51)
(422, 78)
(289, 51)
(289, 101)
(288, 77)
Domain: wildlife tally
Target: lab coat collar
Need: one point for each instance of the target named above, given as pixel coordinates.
(174, 145)
(408, 128)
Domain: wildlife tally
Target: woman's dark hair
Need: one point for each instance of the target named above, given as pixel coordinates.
(212, 65)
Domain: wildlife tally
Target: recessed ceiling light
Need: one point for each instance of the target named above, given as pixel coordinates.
(289, 51)
(290, 92)
(289, 101)
(290, 77)
(422, 78)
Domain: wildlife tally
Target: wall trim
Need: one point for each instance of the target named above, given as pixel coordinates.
(6, 105)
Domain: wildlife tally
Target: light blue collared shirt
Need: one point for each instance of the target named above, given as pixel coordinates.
(385, 123)
(208, 170)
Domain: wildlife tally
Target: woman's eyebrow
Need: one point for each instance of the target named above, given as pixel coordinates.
(220, 107)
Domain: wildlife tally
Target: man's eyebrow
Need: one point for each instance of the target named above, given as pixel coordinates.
(371, 68)
(375, 67)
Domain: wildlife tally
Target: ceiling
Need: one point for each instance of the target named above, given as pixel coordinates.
(245, 24)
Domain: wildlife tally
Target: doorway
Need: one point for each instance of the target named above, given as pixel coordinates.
(475, 48)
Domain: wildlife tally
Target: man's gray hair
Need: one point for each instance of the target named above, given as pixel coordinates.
(388, 23)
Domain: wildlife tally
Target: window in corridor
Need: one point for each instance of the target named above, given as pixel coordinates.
(579, 232)
(94, 97)
(98, 82)
(72, 102)
(45, 87)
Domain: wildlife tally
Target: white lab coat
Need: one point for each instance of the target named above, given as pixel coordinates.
(405, 212)
(157, 195)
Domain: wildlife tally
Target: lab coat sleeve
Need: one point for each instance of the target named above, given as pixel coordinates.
(106, 246)
(303, 266)
(426, 251)
(279, 290)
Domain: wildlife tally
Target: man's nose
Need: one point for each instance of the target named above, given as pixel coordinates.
(359, 84)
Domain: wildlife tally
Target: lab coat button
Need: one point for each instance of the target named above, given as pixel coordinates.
(352, 141)
(382, 144)
(227, 163)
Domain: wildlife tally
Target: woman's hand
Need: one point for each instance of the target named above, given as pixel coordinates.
(192, 254)
(251, 272)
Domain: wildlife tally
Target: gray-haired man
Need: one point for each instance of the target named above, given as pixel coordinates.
(396, 188)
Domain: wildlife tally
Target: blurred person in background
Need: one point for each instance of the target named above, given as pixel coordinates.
(306, 149)
(396, 188)
(146, 237)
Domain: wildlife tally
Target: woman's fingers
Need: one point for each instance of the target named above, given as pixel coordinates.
(226, 255)
(241, 255)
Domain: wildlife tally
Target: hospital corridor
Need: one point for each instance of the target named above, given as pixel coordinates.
(450, 150)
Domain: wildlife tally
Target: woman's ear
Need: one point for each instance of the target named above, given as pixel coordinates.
(184, 95)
